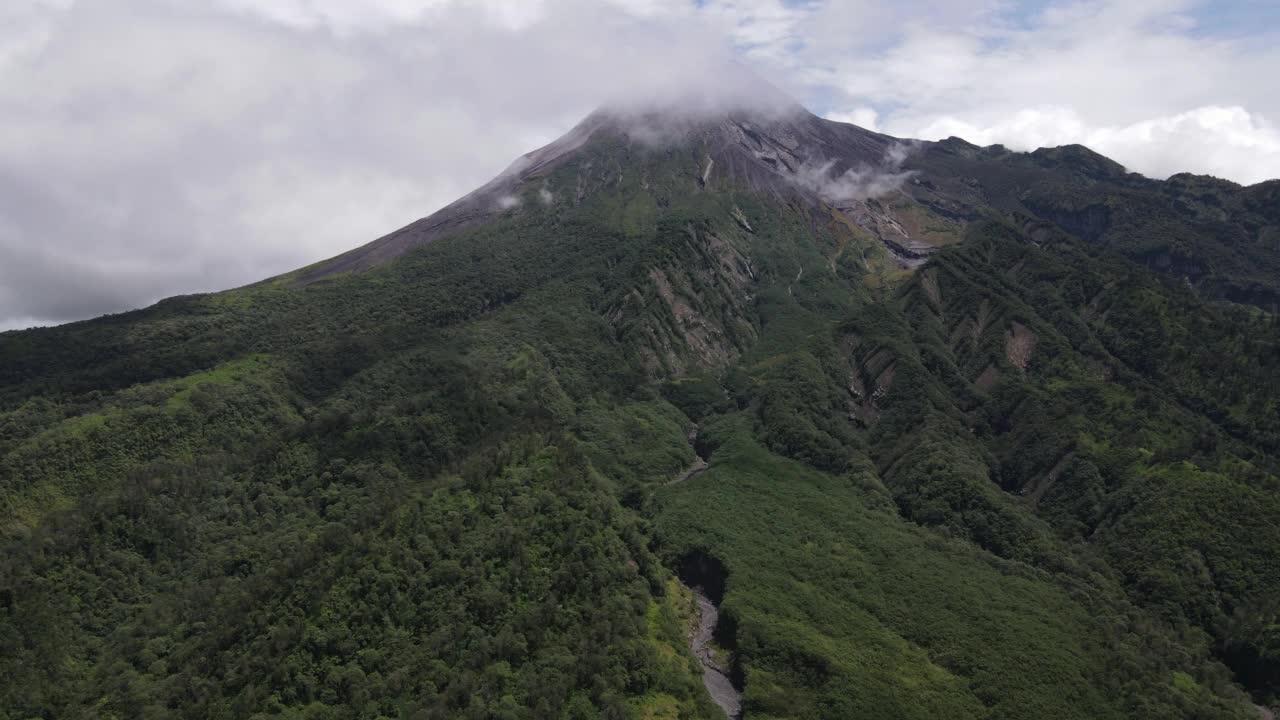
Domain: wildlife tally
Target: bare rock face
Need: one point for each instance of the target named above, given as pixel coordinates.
(777, 150)
(1019, 343)
(475, 208)
(912, 197)
(692, 315)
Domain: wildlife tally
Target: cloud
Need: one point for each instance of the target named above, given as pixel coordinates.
(857, 183)
(863, 117)
(1228, 142)
(345, 17)
(23, 322)
(222, 141)
(1138, 80)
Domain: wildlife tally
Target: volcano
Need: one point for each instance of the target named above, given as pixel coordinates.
(929, 430)
(784, 153)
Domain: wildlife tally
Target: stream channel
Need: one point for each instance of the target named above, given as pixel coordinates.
(704, 575)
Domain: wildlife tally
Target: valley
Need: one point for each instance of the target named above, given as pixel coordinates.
(926, 429)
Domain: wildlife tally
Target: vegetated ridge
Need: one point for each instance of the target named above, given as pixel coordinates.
(986, 435)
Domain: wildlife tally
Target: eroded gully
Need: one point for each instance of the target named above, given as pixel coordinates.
(715, 670)
(704, 576)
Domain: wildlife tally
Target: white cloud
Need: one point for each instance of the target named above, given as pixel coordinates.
(221, 141)
(863, 117)
(1130, 78)
(344, 16)
(857, 183)
(1229, 142)
(22, 323)
(213, 147)
(764, 29)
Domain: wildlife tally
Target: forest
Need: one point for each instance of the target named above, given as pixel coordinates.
(1037, 476)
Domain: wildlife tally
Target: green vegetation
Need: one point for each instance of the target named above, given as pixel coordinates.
(843, 609)
(1031, 479)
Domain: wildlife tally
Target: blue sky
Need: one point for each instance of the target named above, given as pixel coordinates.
(1237, 17)
(222, 141)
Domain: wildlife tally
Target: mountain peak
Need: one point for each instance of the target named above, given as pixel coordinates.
(745, 130)
(736, 92)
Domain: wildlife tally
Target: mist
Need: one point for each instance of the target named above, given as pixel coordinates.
(864, 182)
(219, 142)
(217, 145)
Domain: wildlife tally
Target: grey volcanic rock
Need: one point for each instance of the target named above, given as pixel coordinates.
(913, 197)
(780, 151)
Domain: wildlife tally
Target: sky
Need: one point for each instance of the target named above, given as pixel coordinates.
(151, 148)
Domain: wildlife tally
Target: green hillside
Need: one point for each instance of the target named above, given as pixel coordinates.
(1036, 476)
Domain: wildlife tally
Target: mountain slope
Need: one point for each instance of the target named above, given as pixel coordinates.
(968, 456)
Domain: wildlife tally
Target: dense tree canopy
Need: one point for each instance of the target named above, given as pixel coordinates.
(1031, 478)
